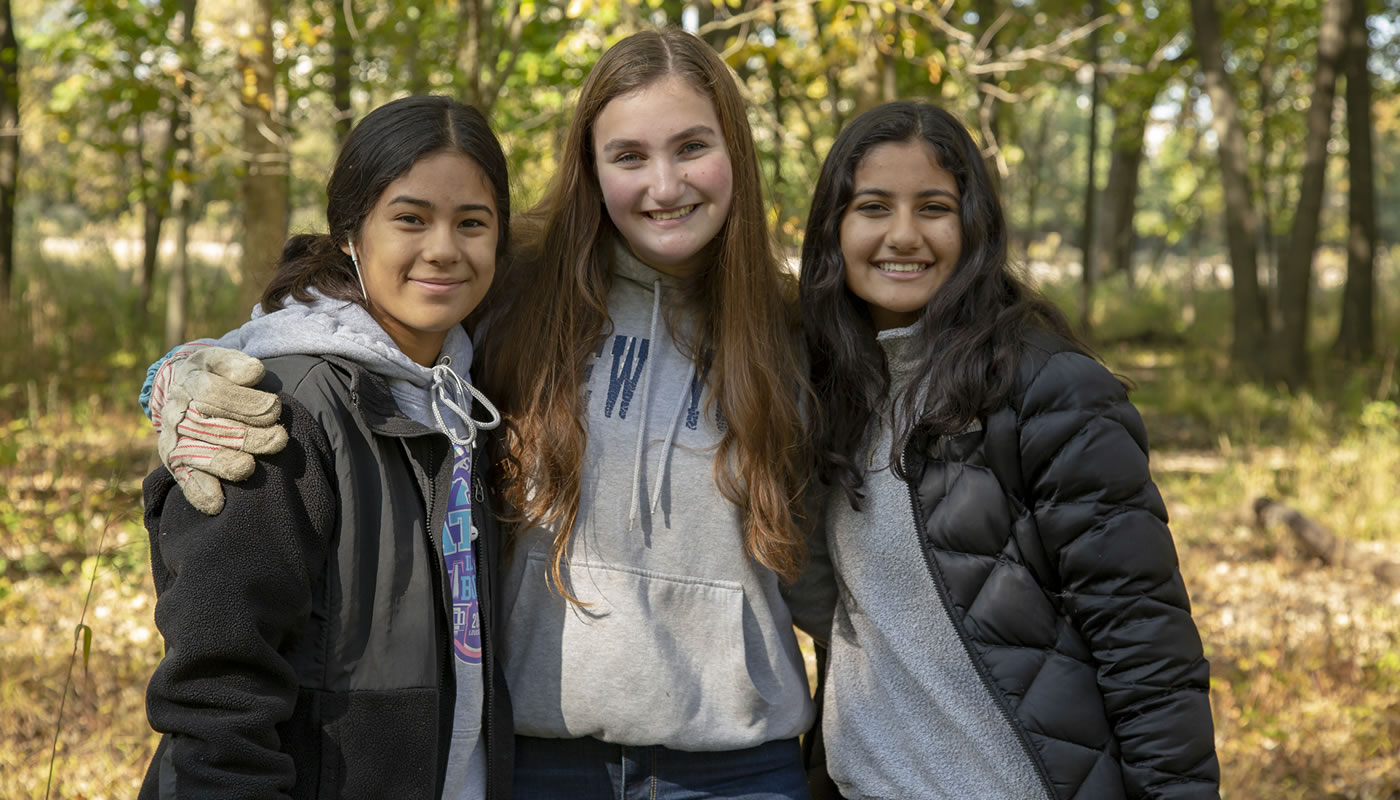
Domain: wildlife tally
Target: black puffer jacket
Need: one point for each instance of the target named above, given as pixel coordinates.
(307, 626)
(1048, 542)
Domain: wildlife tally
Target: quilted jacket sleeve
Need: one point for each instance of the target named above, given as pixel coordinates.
(233, 591)
(1104, 526)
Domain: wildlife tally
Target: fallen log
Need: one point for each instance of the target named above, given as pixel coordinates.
(1317, 541)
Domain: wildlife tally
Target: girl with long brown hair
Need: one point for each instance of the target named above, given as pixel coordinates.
(643, 346)
(645, 351)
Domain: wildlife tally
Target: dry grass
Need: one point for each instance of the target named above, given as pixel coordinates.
(1306, 685)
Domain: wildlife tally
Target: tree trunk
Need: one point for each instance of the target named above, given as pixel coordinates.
(988, 109)
(9, 148)
(1356, 338)
(833, 74)
(177, 293)
(1120, 193)
(480, 44)
(1248, 351)
(1264, 78)
(469, 63)
(265, 185)
(417, 73)
(1037, 170)
(156, 208)
(1295, 276)
(1086, 237)
(342, 59)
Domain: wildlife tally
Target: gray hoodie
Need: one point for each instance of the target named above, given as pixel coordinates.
(686, 641)
(437, 397)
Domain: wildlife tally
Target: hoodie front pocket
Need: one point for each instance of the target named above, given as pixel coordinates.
(652, 659)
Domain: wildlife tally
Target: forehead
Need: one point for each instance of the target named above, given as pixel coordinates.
(448, 177)
(910, 164)
(655, 112)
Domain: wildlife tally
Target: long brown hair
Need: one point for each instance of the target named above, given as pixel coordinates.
(552, 311)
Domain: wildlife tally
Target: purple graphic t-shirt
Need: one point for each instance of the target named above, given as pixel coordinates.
(457, 536)
(466, 759)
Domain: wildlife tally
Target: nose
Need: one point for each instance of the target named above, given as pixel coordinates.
(441, 246)
(902, 234)
(667, 184)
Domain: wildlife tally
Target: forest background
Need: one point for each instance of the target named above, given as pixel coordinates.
(1232, 164)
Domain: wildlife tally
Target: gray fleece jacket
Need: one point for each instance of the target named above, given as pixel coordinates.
(904, 704)
(425, 395)
(686, 641)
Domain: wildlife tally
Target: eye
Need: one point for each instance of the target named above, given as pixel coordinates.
(627, 158)
(692, 148)
(871, 207)
(409, 219)
(472, 223)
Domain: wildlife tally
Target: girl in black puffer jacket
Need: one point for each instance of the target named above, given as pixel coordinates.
(1010, 619)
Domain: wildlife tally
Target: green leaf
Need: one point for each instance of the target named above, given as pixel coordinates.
(84, 631)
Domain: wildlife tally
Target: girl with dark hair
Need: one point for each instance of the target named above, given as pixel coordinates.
(644, 348)
(1010, 621)
(331, 632)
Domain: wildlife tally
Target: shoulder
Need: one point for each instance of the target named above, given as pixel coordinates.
(295, 374)
(1055, 374)
(331, 388)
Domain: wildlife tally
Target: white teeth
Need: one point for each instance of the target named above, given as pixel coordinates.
(673, 214)
(891, 267)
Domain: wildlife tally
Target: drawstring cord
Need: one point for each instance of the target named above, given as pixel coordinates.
(665, 461)
(447, 386)
(634, 507)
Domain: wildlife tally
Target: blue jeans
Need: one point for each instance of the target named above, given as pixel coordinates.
(591, 769)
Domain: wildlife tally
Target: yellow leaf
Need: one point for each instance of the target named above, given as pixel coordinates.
(935, 72)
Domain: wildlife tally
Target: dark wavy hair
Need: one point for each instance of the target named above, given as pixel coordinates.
(385, 145)
(972, 328)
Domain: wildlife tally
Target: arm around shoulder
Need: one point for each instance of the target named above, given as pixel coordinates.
(234, 593)
(1104, 525)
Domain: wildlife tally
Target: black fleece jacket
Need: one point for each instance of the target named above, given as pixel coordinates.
(307, 626)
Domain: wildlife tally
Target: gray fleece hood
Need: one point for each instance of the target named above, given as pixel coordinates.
(439, 396)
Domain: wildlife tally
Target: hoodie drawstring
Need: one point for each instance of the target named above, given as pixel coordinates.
(447, 386)
(663, 461)
(646, 397)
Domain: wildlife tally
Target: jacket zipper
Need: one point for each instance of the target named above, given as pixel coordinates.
(436, 559)
(488, 673)
(936, 576)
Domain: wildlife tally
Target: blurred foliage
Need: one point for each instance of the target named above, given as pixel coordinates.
(100, 77)
(1307, 659)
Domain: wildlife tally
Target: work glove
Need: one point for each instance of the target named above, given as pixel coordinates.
(210, 422)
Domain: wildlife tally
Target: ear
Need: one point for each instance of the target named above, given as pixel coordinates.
(345, 248)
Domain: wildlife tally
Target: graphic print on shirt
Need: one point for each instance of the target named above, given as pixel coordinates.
(629, 356)
(461, 566)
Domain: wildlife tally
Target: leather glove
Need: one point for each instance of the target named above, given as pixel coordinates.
(210, 422)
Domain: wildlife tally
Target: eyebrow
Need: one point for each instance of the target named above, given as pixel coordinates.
(414, 201)
(629, 144)
(878, 192)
